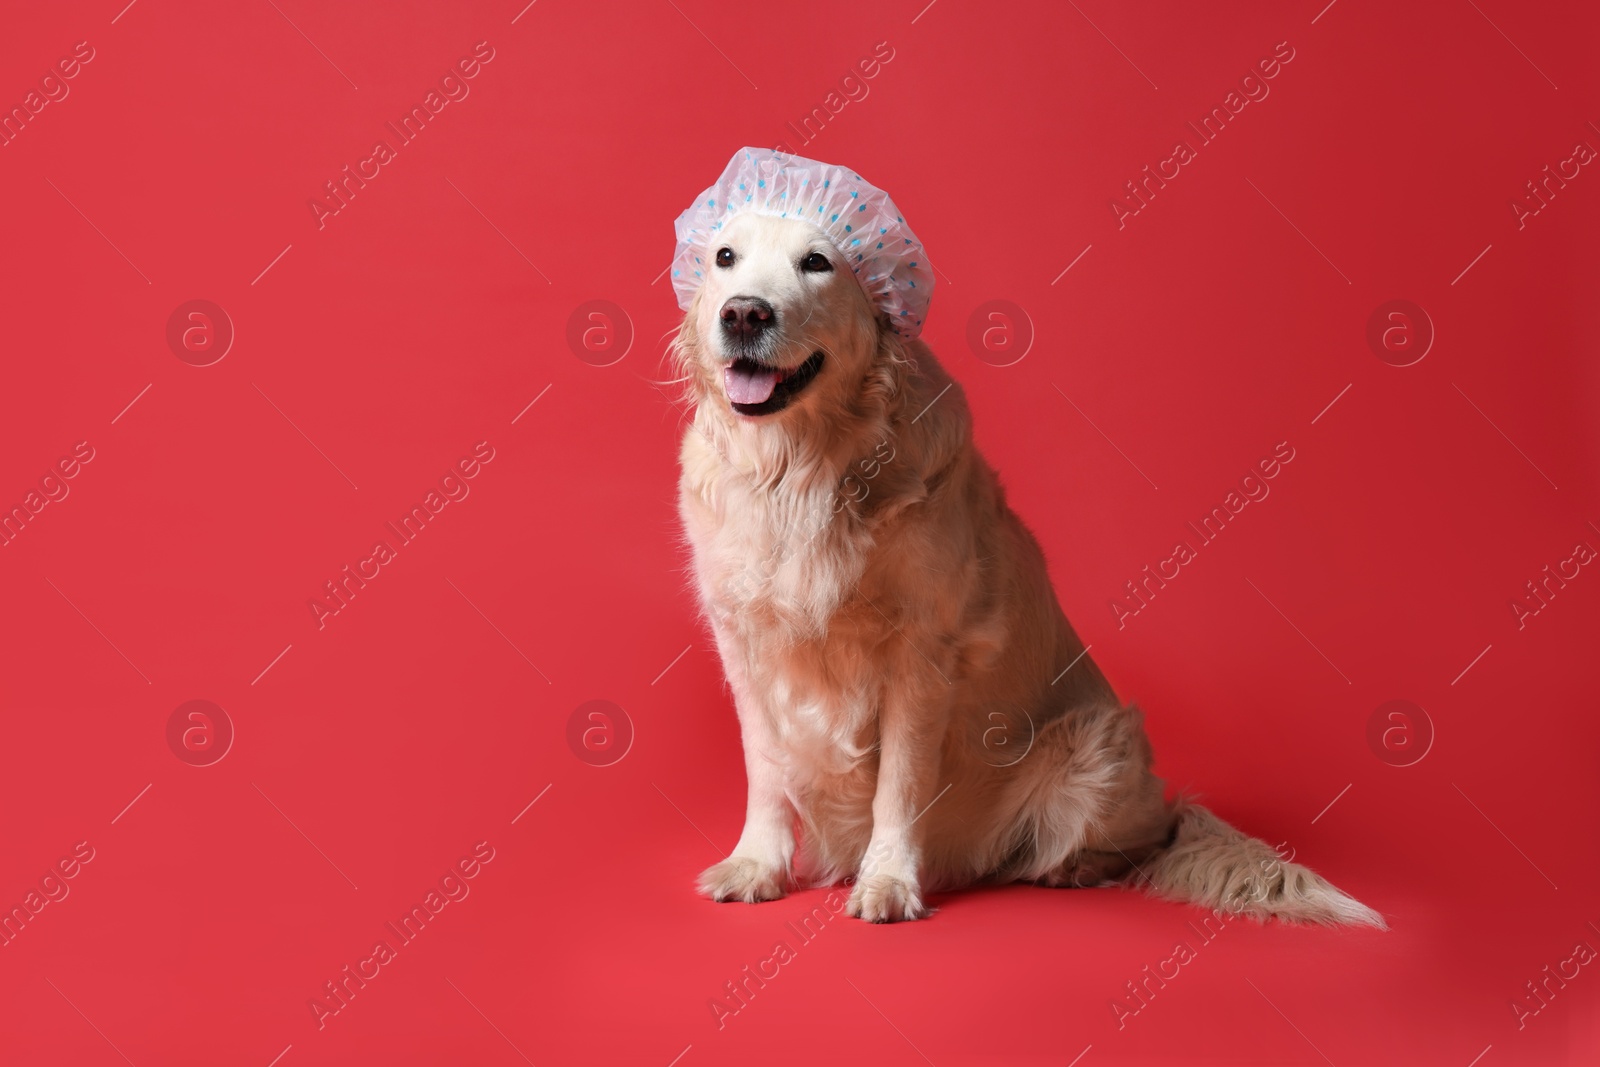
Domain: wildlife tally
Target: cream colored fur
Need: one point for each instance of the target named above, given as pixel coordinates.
(894, 647)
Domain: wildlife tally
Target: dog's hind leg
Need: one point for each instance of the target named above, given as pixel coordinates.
(1090, 809)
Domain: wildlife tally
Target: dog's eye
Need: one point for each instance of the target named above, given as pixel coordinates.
(817, 262)
(724, 257)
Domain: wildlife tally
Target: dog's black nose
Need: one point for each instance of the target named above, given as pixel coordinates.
(747, 317)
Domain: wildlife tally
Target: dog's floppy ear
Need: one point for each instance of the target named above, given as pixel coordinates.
(885, 387)
(894, 473)
(687, 368)
(926, 419)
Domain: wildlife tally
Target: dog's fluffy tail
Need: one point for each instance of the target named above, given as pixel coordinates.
(1211, 864)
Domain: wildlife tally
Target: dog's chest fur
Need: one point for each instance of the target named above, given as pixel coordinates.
(786, 565)
(778, 569)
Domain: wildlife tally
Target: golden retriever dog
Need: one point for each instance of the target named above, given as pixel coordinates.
(917, 714)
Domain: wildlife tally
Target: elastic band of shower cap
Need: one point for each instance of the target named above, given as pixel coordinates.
(858, 217)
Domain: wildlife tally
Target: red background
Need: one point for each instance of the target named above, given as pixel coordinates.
(1220, 320)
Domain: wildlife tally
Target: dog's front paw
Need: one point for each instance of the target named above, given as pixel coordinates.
(885, 899)
(742, 878)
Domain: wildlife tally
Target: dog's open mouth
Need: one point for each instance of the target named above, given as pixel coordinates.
(757, 389)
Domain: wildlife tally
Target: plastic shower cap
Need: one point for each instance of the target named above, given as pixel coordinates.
(861, 220)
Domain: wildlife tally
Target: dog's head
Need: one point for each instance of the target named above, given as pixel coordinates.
(780, 330)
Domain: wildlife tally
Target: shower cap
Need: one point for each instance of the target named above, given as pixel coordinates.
(861, 220)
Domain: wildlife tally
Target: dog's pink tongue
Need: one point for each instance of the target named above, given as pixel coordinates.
(749, 384)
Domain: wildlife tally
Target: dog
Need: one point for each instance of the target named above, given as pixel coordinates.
(917, 714)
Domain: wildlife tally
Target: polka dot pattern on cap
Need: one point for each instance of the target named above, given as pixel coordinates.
(858, 217)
